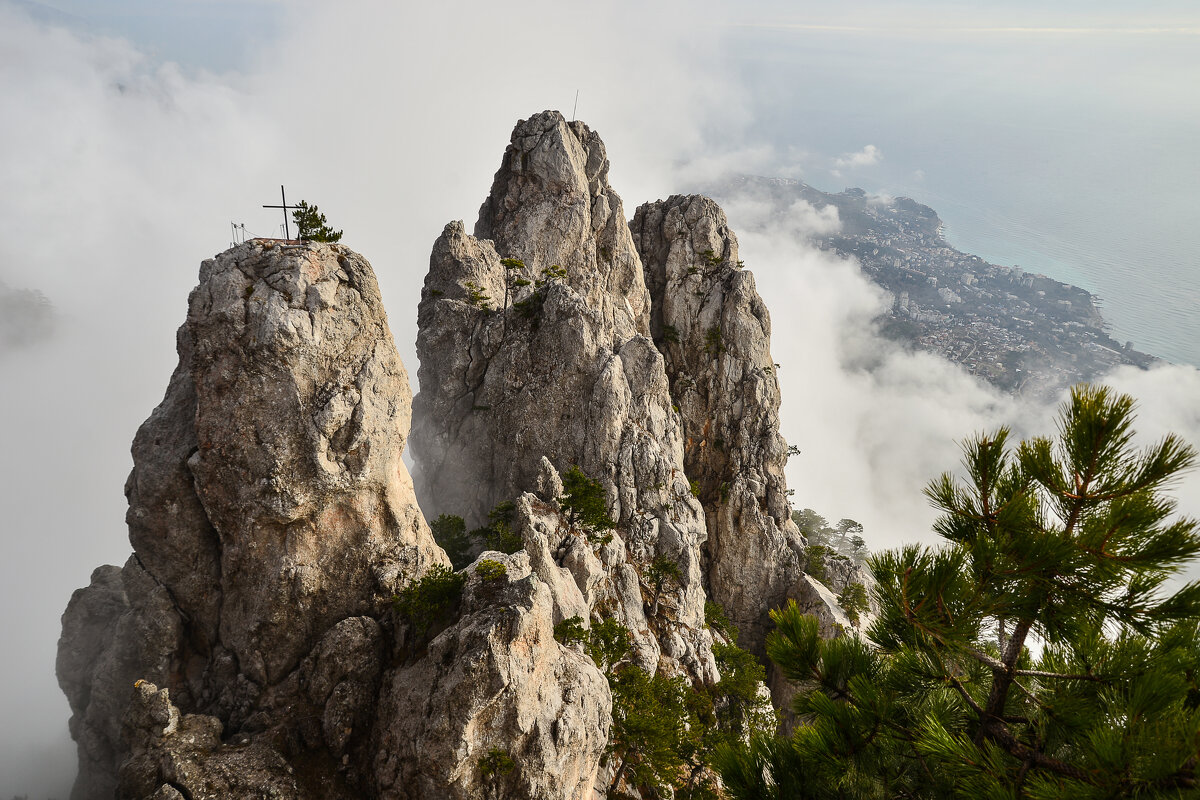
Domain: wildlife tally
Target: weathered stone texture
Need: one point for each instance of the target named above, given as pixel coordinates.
(494, 685)
(268, 504)
(250, 647)
(715, 334)
(560, 370)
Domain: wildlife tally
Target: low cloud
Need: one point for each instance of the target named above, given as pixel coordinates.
(868, 156)
(121, 174)
(875, 422)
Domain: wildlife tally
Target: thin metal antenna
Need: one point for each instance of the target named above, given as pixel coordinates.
(239, 233)
(576, 106)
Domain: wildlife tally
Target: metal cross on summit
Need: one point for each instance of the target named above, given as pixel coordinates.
(286, 231)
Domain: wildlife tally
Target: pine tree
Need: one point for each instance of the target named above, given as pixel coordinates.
(1067, 542)
(661, 573)
(311, 224)
(584, 502)
(450, 531)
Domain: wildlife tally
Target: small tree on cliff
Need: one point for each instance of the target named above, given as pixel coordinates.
(585, 502)
(1070, 540)
(312, 225)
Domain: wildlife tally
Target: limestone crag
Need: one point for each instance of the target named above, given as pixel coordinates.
(268, 503)
(715, 333)
(495, 685)
(551, 204)
(534, 345)
(286, 626)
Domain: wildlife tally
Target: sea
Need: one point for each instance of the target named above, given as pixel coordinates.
(1144, 271)
(1072, 153)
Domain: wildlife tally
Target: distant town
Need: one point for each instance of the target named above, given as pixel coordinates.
(1021, 331)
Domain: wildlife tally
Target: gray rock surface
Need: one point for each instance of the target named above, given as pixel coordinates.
(268, 507)
(494, 706)
(182, 755)
(251, 646)
(558, 366)
(715, 334)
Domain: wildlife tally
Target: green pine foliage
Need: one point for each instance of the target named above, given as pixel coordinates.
(713, 345)
(715, 618)
(661, 573)
(666, 731)
(450, 531)
(650, 716)
(431, 599)
(496, 764)
(608, 643)
(741, 708)
(570, 631)
(1068, 542)
(585, 502)
(853, 601)
(490, 570)
(461, 545)
(477, 296)
(815, 555)
(500, 534)
(551, 274)
(311, 224)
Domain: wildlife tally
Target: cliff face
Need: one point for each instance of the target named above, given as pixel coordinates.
(252, 645)
(557, 364)
(267, 504)
(715, 335)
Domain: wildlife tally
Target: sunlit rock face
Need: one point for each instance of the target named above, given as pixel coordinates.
(268, 504)
(714, 332)
(534, 346)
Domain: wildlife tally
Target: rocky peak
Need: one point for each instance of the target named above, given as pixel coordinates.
(714, 332)
(563, 371)
(286, 626)
(268, 503)
(551, 205)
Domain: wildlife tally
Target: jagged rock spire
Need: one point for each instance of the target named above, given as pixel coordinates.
(715, 335)
(563, 370)
(268, 503)
(551, 204)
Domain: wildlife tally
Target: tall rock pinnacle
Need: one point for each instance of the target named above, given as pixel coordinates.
(556, 365)
(715, 334)
(267, 504)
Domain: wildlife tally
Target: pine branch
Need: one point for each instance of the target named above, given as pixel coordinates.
(1036, 673)
(978, 709)
(1001, 735)
(998, 666)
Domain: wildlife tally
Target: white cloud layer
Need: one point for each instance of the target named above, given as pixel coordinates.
(868, 156)
(874, 422)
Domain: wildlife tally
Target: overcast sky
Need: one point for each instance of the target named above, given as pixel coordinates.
(136, 131)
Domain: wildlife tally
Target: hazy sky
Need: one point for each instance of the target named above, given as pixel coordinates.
(136, 132)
